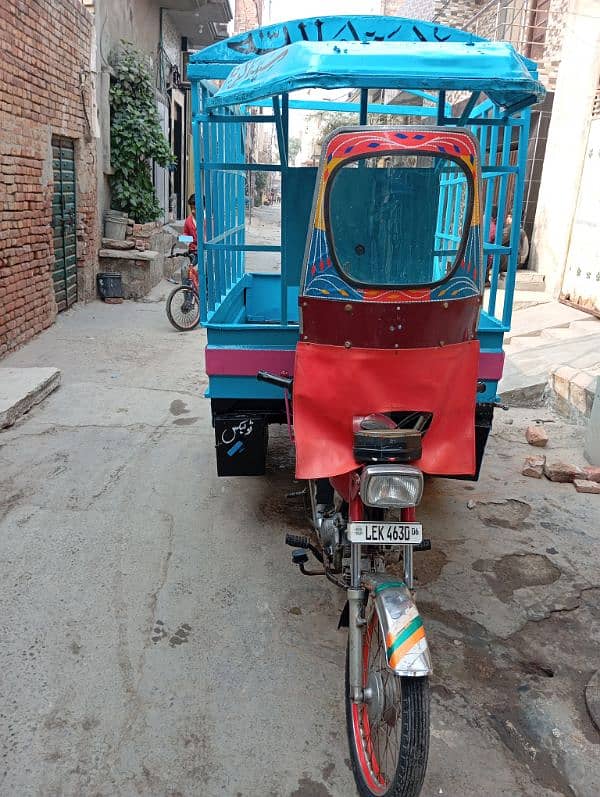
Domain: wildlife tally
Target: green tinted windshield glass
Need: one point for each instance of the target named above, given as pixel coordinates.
(398, 220)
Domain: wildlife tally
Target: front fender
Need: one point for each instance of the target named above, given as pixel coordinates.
(407, 651)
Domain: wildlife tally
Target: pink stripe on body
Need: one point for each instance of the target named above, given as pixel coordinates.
(491, 365)
(248, 362)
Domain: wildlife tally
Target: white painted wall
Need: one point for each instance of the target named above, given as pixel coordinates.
(566, 149)
(581, 283)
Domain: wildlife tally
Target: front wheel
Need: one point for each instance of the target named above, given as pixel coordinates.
(389, 736)
(183, 309)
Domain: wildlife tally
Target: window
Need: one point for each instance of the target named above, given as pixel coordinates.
(398, 220)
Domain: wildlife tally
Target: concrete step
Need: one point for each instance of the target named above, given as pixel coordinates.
(128, 254)
(521, 299)
(564, 333)
(23, 388)
(527, 281)
(526, 370)
(574, 389)
(549, 315)
(590, 325)
(518, 344)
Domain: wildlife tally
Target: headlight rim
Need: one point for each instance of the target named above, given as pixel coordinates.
(386, 470)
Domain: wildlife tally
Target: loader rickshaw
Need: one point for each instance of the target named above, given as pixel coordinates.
(377, 341)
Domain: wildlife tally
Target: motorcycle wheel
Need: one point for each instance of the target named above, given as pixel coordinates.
(183, 310)
(389, 736)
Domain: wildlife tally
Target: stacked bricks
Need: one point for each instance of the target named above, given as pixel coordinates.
(44, 63)
(143, 233)
(26, 250)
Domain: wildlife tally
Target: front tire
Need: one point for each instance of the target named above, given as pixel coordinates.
(389, 737)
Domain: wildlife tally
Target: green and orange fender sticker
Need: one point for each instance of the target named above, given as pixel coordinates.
(400, 645)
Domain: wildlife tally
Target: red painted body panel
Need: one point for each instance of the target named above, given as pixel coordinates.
(381, 325)
(333, 384)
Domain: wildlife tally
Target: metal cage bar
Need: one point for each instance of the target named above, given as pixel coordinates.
(222, 171)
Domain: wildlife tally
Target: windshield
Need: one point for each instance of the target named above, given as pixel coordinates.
(398, 220)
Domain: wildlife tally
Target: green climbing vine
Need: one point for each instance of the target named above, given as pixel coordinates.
(135, 134)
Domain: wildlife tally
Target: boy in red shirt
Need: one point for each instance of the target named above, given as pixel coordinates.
(189, 225)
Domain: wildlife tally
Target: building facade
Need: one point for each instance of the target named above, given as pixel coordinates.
(567, 223)
(55, 160)
(48, 190)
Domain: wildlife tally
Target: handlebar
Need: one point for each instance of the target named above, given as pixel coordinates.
(174, 255)
(284, 382)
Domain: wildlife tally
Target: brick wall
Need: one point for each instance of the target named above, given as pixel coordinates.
(512, 21)
(457, 12)
(44, 63)
(413, 9)
(548, 64)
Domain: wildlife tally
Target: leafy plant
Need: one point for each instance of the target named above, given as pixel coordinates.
(328, 121)
(260, 184)
(135, 134)
(294, 147)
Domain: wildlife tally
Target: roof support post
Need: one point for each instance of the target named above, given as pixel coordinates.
(441, 109)
(364, 106)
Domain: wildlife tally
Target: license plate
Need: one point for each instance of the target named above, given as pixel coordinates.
(385, 533)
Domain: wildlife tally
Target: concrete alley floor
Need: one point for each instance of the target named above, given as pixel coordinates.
(157, 641)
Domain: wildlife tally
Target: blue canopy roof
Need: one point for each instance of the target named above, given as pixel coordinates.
(341, 28)
(495, 68)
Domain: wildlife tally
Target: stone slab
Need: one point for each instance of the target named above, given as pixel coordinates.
(530, 281)
(585, 486)
(112, 243)
(23, 388)
(574, 389)
(527, 281)
(533, 320)
(526, 372)
(128, 254)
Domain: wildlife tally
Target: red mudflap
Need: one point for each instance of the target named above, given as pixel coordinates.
(333, 384)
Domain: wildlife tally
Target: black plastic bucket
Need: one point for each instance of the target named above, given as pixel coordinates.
(109, 285)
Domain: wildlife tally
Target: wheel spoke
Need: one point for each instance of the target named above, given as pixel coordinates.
(381, 734)
(377, 732)
(183, 308)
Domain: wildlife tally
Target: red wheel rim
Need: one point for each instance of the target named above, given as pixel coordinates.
(366, 747)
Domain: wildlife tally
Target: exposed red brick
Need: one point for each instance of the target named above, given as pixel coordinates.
(534, 467)
(44, 49)
(563, 472)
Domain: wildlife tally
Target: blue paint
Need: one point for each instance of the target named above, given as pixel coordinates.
(491, 67)
(353, 107)
(267, 40)
(239, 446)
(261, 310)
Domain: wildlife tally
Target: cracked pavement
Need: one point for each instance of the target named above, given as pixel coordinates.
(157, 640)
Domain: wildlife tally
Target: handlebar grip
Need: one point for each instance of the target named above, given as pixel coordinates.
(284, 382)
